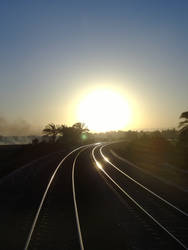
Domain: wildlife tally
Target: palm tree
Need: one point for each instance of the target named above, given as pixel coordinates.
(72, 135)
(81, 131)
(67, 134)
(81, 127)
(51, 130)
(184, 126)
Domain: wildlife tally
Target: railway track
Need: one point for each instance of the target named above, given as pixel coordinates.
(57, 205)
(166, 218)
(75, 203)
(78, 210)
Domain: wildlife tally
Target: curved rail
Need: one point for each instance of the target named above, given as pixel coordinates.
(75, 202)
(135, 202)
(138, 183)
(44, 196)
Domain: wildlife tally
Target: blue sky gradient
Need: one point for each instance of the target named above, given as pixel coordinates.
(52, 50)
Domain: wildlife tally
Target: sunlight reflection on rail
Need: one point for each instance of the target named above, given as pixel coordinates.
(132, 199)
(105, 158)
(99, 165)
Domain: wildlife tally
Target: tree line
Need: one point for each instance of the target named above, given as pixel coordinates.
(78, 133)
(75, 134)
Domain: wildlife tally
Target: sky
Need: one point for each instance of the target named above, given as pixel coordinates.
(53, 53)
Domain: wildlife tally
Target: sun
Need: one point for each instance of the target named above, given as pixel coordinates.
(104, 110)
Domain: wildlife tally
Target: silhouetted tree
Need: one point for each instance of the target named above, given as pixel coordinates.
(80, 127)
(183, 132)
(67, 135)
(73, 135)
(51, 130)
(81, 132)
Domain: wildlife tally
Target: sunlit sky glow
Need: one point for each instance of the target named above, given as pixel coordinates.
(55, 54)
(104, 110)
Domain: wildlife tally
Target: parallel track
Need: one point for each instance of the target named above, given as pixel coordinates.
(153, 205)
(44, 198)
(126, 186)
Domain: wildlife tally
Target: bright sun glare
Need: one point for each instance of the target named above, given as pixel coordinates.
(104, 110)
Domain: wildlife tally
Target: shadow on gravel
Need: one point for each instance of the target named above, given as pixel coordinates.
(20, 195)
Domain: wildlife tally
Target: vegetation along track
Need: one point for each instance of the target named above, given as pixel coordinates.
(169, 218)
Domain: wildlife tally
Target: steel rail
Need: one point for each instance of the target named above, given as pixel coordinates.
(135, 202)
(44, 196)
(138, 183)
(75, 202)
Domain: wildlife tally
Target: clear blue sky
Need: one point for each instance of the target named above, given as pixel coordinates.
(50, 51)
